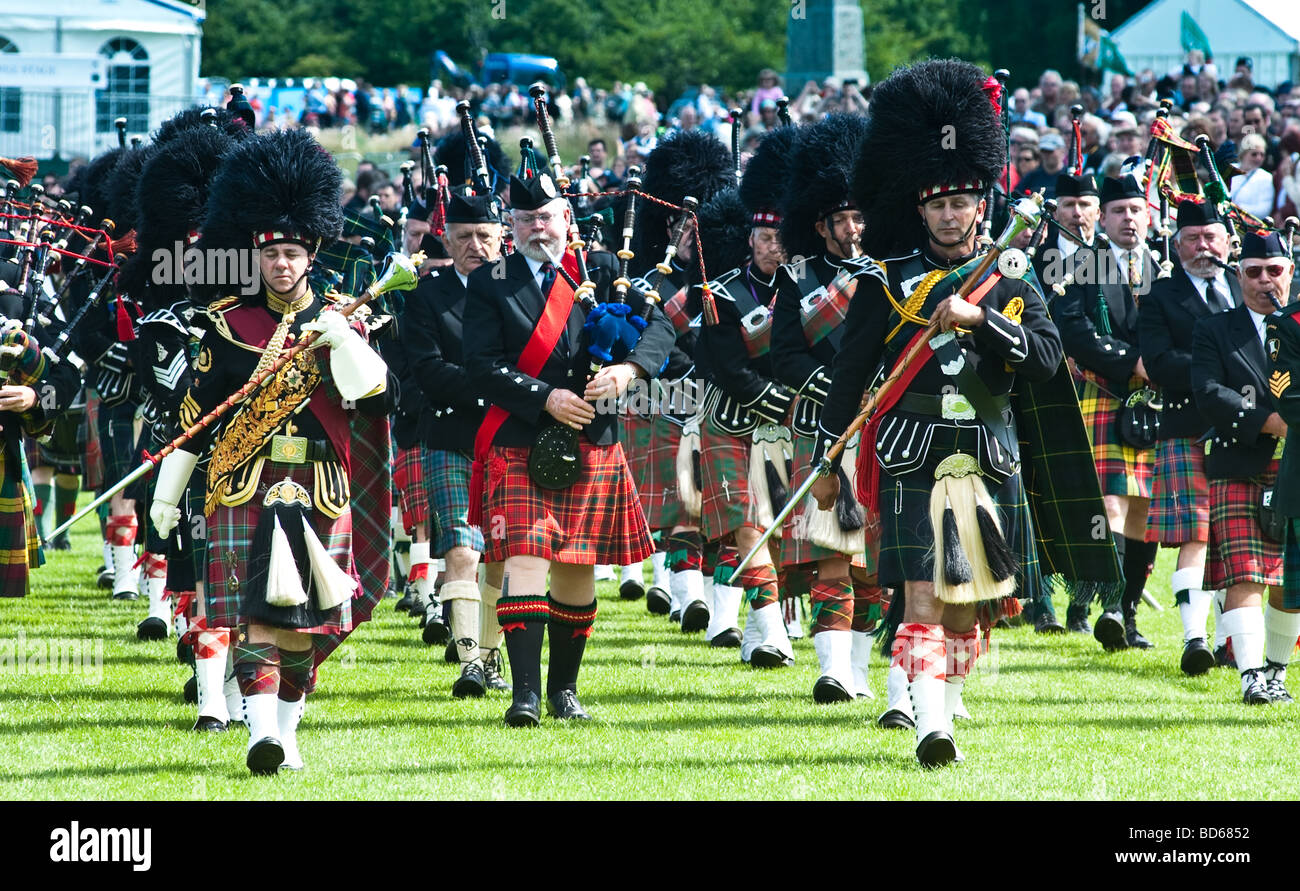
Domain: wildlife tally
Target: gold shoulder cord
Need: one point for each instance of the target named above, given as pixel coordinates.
(910, 311)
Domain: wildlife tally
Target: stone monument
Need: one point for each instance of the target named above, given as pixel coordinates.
(824, 38)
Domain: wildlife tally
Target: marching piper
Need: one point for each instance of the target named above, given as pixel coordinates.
(1098, 320)
(1181, 499)
(941, 461)
(285, 469)
(550, 505)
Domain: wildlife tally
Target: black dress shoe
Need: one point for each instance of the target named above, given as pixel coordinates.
(675, 616)
(1256, 692)
(729, 639)
(695, 617)
(105, 577)
(470, 683)
(1109, 632)
(1198, 658)
(184, 652)
(492, 677)
(525, 711)
(1134, 638)
(1223, 658)
(265, 756)
(896, 719)
(191, 690)
(126, 595)
(1078, 625)
(828, 690)
(564, 706)
(1045, 623)
(404, 603)
(769, 657)
(435, 632)
(419, 609)
(209, 724)
(61, 543)
(631, 590)
(936, 750)
(449, 655)
(152, 628)
(658, 601)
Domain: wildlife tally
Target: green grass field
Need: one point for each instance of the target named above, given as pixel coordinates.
(1053, 718)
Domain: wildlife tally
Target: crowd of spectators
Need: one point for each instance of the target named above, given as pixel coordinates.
(1255, 129)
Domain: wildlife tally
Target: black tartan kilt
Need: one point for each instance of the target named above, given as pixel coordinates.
(907, 542)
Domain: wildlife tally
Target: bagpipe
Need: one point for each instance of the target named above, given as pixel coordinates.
(41, 238)
(612, 329)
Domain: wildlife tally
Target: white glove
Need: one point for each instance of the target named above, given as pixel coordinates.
(173, 476)
(332, 326)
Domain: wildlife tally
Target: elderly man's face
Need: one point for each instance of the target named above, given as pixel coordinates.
(542, 234)
(1197, 245)
(1264, 280)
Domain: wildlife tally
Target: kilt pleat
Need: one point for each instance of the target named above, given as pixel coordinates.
(230, 538)
(117, 440)
(727, 502)
(596, 520)
(1238, 551)
(447, 475)
(412, 493)
(1122, 469)
(1180, 494)
(652, 460)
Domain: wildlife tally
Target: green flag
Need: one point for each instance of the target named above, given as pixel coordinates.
(1192, 37)
(1109, 58)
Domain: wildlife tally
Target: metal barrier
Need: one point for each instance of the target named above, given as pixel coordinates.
(76, 123)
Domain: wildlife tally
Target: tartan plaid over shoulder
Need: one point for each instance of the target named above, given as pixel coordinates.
(1061, 481)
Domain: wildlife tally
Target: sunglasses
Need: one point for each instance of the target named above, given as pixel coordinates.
(1274, 270)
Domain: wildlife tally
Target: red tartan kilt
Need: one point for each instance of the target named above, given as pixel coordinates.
(652, 459)
(412, 494)
(1122, 469)
(1239, 552)
(1180, 494)
(726, 498)
(596, 520)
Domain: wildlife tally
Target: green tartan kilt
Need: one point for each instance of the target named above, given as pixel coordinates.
(20, 545)
(1122, 469)
(230, 538)
(652, 458)
(907, 539)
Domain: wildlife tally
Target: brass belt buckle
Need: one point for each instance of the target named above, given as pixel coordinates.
(289, 449)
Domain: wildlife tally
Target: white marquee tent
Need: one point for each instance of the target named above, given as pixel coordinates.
(68, 68)
(1268, 31)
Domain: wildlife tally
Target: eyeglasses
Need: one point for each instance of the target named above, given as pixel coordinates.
(1274, 270)
(525, 220)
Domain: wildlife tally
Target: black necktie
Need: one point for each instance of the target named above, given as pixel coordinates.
(1215, 298)
(548, 278)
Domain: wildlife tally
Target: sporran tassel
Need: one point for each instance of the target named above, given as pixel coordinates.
(848, 513)
(283, 583)
(956, 565)
(332, 586)
(1002, 562)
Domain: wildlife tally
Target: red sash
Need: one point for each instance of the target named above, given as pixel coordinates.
(254, 325)
(555, 317)
(868, 481)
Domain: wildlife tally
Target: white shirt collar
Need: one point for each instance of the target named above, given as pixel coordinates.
(1066, 245)
(464, 279)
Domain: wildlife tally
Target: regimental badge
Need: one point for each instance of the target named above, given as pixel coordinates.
(1278, 382)
(1272, 345)
(1014, 309)
(204, 363)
